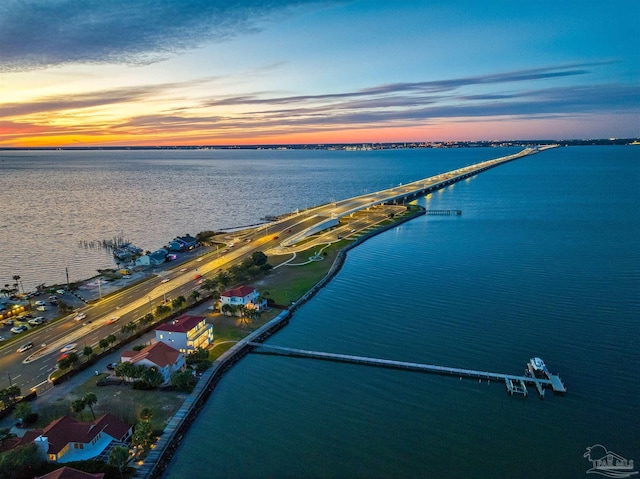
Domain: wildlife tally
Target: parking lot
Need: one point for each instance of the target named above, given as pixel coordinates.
(44, 309)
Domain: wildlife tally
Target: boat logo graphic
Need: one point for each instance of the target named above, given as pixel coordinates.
(607, 463)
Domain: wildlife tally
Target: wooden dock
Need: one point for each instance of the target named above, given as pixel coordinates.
(514, 383)
(443, 212)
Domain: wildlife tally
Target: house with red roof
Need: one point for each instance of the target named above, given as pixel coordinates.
(67, 472)
(159, 355)
(186, 333)
(243, 296)
(66, 440)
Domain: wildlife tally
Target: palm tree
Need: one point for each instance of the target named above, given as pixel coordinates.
(194, 295)
(118, 457)
(77, 406)
(87, 351)
(90, 399)
(16, 278)
(111, 338)
(145, 414)
(103, 343)
(223, 279)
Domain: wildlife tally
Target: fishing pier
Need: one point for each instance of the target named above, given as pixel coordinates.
(514, 384)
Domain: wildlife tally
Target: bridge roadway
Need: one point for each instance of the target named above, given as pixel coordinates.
(327, 215)
(554, 382)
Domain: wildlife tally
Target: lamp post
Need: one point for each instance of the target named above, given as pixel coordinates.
(99, 288)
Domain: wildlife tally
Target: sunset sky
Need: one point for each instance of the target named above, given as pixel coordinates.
(207, 72)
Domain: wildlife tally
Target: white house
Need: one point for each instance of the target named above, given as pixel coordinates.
(243, 296)
(186, 333)
(159, 355)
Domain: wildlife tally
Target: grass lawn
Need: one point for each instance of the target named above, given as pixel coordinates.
(122, 401)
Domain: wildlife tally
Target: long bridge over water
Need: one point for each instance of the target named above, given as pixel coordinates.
(328, 216)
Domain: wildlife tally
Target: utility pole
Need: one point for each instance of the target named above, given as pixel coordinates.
(67, 271)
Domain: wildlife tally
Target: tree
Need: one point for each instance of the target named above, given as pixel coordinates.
(77, 406)
(126, 370)
(103, 343)
(194, 296)
(152, 377)
(146, 319)
(142, 435)
(87, 351)
(21, 462)
(162, 310)
(16, 278)
(145, 414)
(64, 363)
(73, 358)
(259, 258)
(111, 338)
(226, 309)
(178, 302)
(223, 279)
(89, 400)
(183, 381)
(209, 285)
(118, 457)
(22, 410)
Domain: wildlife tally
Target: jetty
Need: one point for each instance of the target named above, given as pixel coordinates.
(514, 384)
(443, 212)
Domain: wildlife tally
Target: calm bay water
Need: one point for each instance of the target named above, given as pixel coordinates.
(543, 261)
(54, 200)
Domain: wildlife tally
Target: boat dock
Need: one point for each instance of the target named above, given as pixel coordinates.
(443, 212)
(515, 384)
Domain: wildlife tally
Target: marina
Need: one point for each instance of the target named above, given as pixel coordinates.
(539, 377)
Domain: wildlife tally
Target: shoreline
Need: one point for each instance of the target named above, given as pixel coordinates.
(156, 462)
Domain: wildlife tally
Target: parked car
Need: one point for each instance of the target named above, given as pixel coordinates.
(2, 338)
(41, 309)
(60, 291)
(8, 322)
(24, 347)
(19, 329)
(111, 366)
(40, 303)
(36, 321)
(80, 316)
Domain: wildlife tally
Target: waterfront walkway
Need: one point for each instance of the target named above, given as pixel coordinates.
(554, 381)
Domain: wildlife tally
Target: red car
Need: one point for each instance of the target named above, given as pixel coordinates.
(197, 276)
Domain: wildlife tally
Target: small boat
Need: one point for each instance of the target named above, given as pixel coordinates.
(538, 365)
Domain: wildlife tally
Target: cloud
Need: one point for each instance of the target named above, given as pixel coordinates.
(38, 34)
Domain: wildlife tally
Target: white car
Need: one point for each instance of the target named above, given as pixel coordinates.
(36, 321)
(112, 319)
(166, 280)
(19, 329)
(40, 303)
(68, 348)
(41, 309)
(80, 316)
(60, 291)
(25, 347)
